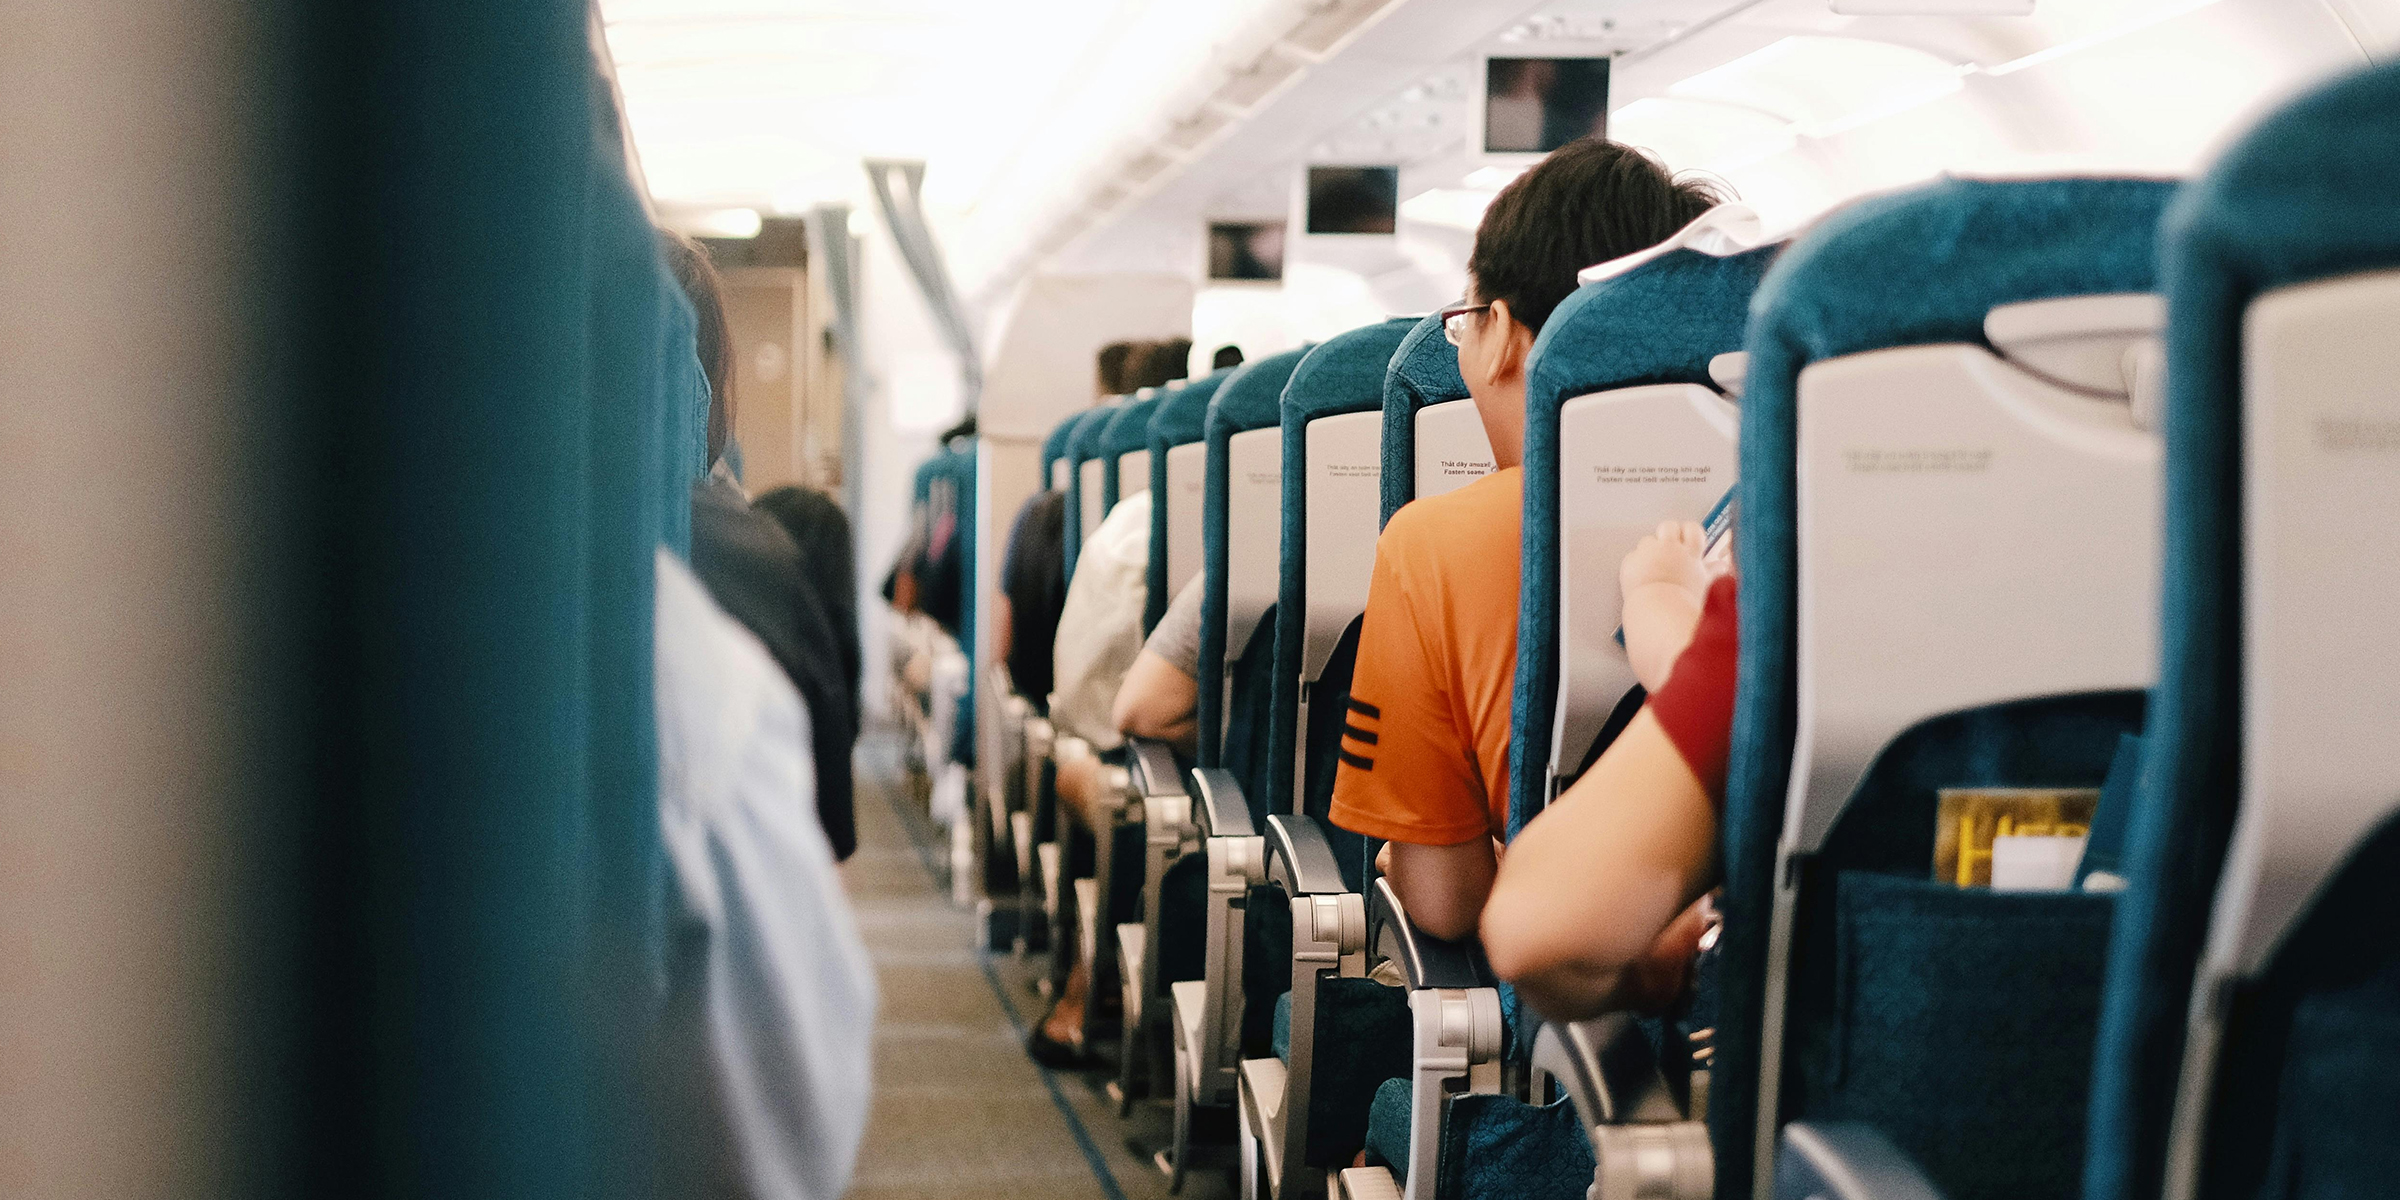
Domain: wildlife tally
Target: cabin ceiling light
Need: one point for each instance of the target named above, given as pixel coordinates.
(1825, 85)
(1452, 208)
(1932, 8)
(2174, 9)
(1490, 179)
(1701, 133)
(723, 223)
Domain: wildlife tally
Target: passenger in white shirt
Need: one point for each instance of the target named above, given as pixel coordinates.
(769, 986)
(1100, 628)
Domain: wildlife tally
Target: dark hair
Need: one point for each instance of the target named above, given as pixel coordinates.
(1115, 357)
(1156, 363)
(698, 277)
(1226, 356)
(1589, 202)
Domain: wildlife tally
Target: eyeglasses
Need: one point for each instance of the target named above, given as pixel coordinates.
(1454, 319)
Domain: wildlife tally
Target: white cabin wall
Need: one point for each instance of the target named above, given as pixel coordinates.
(1041, 367)
(909, 391)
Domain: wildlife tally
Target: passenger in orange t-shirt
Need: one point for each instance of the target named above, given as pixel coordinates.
(1424, 754)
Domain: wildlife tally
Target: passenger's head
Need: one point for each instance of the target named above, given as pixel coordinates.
(1115, 357)
(1226, 356)
(1156, 364)
(1588, 202)
(698, 277)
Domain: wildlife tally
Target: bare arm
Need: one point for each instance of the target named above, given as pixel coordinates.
(1004, 629)
(1589, 899)
(1081, 775)
(1159, 702)
(1664, 584)
(1443, 887)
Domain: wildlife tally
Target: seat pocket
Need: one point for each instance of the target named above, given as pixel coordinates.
(1965, 1029)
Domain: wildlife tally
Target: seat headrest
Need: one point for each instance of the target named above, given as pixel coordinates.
(2303, 196)
(921, 485)
(1928, 265)
(1182, 414)
(1345, 374)
(1253, 397)
(1084, 443)
(1424, 369)
(1129, 429)
(957, 466)
(1660, 322)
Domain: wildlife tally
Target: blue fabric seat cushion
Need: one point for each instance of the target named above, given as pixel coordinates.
(1424, 370)
(1327, 712)
(2309, 1080)
(1363, 1045)
(1959, 1021)
(1266, 968)
(1660, 323)
(1492, 1146)
(1176, 420)
(2313, 192)
(1282, 1034)
(1182, 920)
(1246, 741)
(1251, 398)
(1912, 268)
(1364, 1040)
(1344, 374)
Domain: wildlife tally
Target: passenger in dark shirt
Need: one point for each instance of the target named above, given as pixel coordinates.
(828, 565)
(759, 574)
(1032, 592)
(756, 573)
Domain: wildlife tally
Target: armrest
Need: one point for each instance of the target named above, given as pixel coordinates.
(1222, 804)
(1427, 961)
(1153, 767)
(1300, 858)
(1845, 1160)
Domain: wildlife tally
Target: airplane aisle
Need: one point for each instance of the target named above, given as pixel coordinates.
(959, 1109)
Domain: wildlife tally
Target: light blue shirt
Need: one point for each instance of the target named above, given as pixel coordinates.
(788, 997)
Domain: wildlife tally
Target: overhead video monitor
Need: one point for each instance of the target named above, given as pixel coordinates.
(1245, 250)
(1536, 105)
(1353, 199)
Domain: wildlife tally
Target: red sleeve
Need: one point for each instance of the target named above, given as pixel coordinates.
(1695, 705)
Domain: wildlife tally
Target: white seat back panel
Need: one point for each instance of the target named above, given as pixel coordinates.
(1187, 493)
(2321, 588)
(1094, 511)
(1254, 532)
(1627, 460)
(1452, 449)
(1968, 534)
(1344, 479)
(1133, 474)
